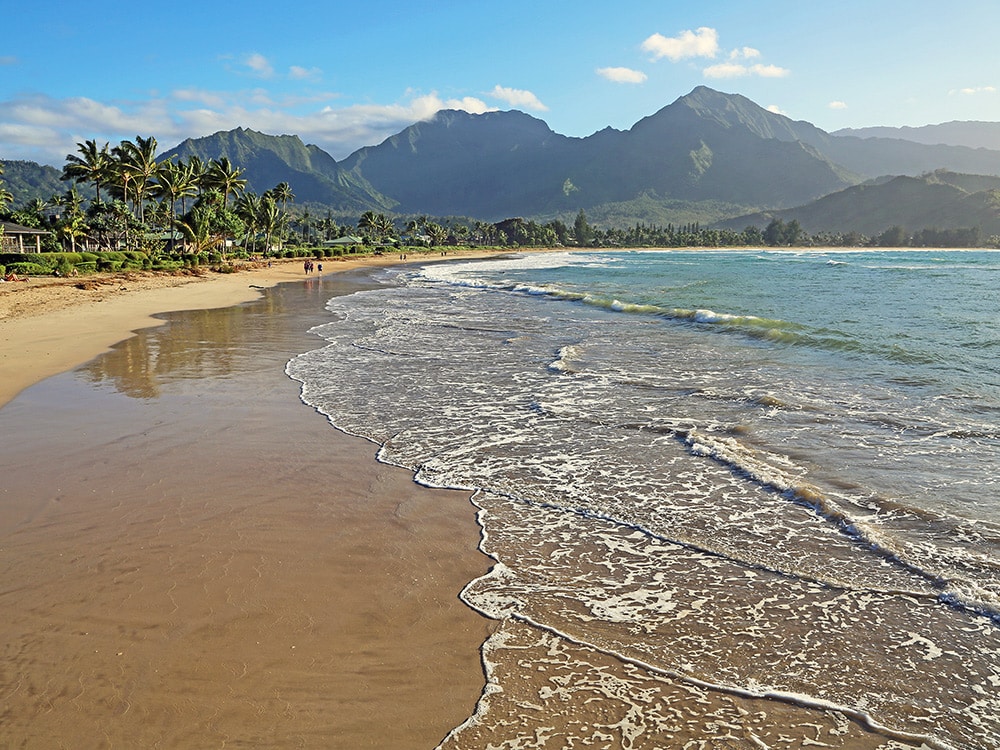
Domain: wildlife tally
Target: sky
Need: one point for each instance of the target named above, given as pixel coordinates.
(343, 75)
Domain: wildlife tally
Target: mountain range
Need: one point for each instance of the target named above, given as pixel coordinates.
(940, 199)
(709, 157)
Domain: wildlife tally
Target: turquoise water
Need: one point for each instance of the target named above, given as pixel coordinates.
(765, 478)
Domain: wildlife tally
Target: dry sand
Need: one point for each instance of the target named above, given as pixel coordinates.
(190, 557)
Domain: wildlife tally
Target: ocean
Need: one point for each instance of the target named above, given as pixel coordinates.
(734, 498)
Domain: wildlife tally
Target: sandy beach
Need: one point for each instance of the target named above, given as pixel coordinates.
(193, 558)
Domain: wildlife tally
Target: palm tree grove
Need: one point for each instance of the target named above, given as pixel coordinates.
(124, 209)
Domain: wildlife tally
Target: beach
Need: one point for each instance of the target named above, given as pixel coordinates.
(701, 505)
(192, 557)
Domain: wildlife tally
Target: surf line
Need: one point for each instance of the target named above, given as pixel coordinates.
(860, 717)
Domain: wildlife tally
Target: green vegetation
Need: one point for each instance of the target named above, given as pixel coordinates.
(126, 209)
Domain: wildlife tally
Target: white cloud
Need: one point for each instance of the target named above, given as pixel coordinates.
(769, 71)
(702, 43)
(45, 129)
(622, 75)
(259, 64)
(705, 43)
(298, 73)
(518, 98)
(726, 70)
(975, 90)
(837, 105)
(738, 70)
(776, 110)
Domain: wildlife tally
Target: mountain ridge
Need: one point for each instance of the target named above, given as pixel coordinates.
(708, 155)
(941, 199)
(267, 160)
(970, 133)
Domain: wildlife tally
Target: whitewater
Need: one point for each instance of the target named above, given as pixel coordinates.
(734, 498)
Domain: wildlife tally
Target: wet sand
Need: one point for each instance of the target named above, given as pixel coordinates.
(190, 557)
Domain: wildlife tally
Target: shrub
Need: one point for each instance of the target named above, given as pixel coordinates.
(45, 262)
(165, 264)
(29, 269)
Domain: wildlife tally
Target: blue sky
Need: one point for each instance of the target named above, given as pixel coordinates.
(344, 75)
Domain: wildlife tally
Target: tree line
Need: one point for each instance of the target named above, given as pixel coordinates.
(139, 202)
(192, 206)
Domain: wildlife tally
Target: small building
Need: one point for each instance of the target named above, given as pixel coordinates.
(14, 237)
(344, 241)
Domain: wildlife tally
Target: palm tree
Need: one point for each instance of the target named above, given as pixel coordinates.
(385, 226)
(36, 209)
(226, 178)
(188, 179)
(196, 170)
(305, 224)
(136, 164)
(72, 227)
(72, 200)
(270, 219)
(93, 165)
(6, 197)
(328, 226)
(248, 208)
(172, 182)
(437, 233)
(197, 229)
(367, 223)
(282, 193)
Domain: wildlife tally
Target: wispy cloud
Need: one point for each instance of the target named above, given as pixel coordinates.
(738, 70)
(259, 65)
(518, 98)
(701, 43)
(298, 73)
(45, 129)
(769, 71)
(837, 105)
(705, 43)
(972, 91)
(726, 70)
(622, 75)
(8, 60)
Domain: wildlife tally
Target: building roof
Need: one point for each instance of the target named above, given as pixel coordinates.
(348, 240)
(11, 228)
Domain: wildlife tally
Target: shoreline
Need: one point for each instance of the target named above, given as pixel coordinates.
(48, 326)
(194, 557)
